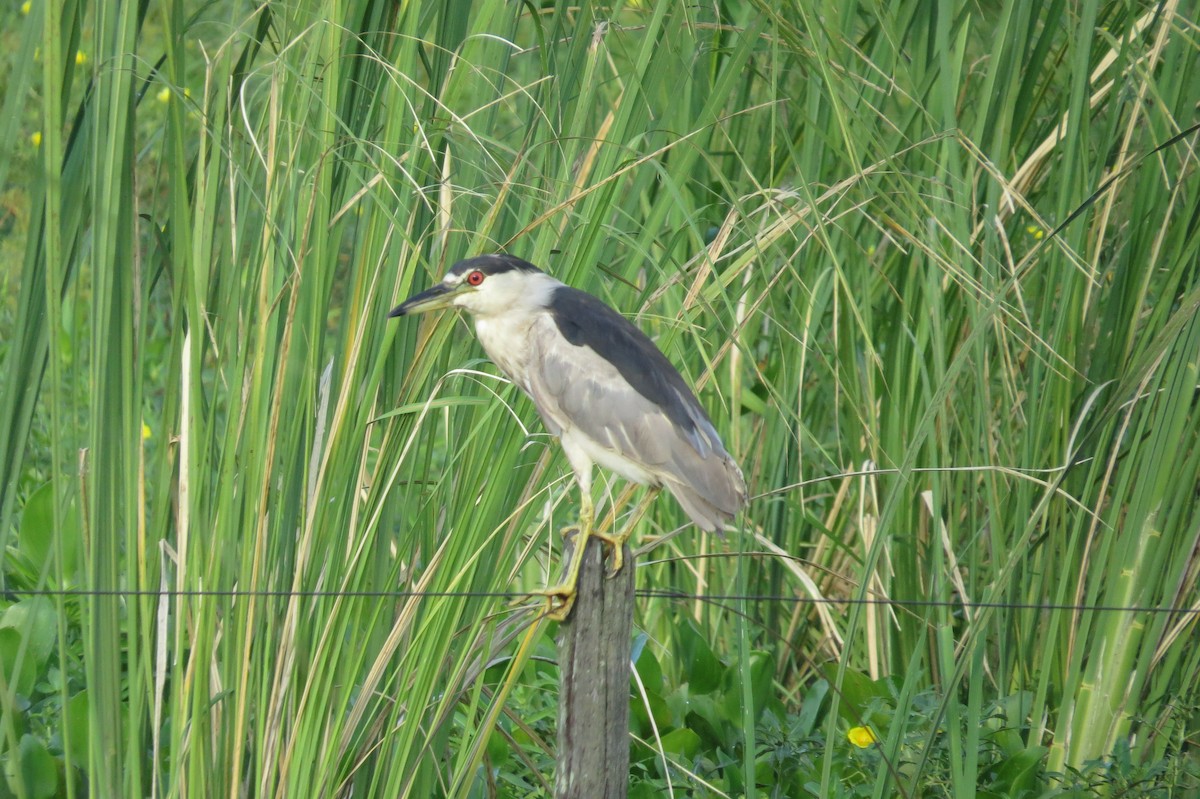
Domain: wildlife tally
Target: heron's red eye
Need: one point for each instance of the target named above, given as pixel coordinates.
(475, 278)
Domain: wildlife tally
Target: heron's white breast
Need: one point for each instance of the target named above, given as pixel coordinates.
(505, 339)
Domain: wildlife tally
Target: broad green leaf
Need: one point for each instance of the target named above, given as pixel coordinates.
(38, 768)
(857, 691)
(38, 537)
(18, 663)
(648, 669)
(701, 668)
(75, 722)
(35, 620)
(682, 742)
(1020, 772)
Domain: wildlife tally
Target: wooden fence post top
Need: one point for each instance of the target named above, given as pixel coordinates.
(594, 668)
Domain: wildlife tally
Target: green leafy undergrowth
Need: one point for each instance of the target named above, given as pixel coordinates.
(45, 707)
(685, 716)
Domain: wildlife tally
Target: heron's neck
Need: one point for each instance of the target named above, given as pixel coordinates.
(503, 325)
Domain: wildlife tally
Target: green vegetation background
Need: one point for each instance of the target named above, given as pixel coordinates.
(934, 268)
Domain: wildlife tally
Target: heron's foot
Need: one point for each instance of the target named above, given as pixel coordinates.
(561, 598)
(559, 601)
(615, 544)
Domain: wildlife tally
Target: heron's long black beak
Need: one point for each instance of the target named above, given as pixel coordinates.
(437, 296)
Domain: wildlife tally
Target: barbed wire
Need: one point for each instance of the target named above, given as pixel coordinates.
(642, 593)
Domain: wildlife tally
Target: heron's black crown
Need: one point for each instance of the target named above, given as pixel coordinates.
(494, 264)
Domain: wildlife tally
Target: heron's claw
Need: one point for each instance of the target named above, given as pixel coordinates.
(559, 601)
(616, 546)
(614, 543)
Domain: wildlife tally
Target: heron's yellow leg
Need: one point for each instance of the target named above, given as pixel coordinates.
(617, 540)
(561, 598)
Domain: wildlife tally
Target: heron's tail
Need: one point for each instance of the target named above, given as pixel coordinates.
(712, 499)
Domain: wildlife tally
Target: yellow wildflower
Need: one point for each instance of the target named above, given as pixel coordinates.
(164, 94)
(80, 57)
(145, 431)
(26, 7)
(862, 737)
(35, 138)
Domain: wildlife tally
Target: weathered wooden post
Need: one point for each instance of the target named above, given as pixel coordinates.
(593, 699)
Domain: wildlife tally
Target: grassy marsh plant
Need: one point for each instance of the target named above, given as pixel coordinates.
(932, 267)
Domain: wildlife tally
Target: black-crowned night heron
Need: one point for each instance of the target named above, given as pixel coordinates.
(601, 386)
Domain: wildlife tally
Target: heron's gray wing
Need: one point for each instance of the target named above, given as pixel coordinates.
(595, 371)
